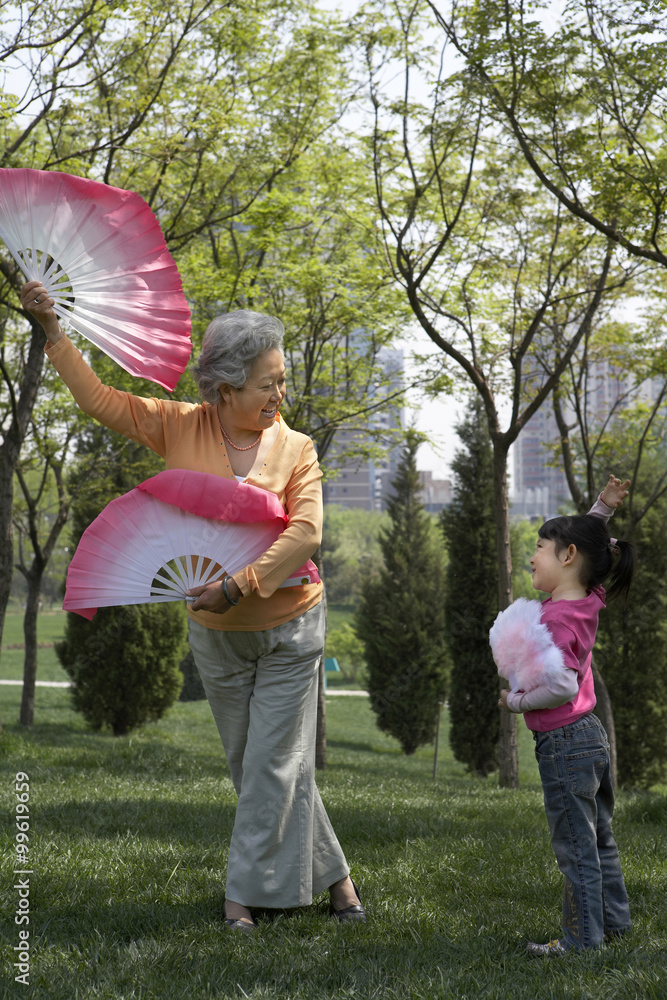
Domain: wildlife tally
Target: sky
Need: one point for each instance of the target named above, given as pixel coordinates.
(437, 418)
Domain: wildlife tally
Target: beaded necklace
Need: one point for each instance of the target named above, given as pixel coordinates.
(236, 446)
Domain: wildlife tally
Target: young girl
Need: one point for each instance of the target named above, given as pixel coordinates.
(574, 556)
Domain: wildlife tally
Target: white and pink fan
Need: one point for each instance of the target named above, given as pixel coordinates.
(100, 253)
(175, 531)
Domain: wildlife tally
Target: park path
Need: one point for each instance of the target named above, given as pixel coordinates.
(65, 684)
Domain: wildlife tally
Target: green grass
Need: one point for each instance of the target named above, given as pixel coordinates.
(129, 839)
(339, 614)
(50, 629)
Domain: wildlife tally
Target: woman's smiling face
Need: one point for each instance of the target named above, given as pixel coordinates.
(255, 406)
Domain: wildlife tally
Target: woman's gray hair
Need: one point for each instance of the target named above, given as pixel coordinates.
(231, 345)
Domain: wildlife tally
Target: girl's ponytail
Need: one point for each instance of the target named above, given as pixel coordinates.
(622, 570)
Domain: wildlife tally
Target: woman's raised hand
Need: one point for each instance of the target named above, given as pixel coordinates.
(36, 300)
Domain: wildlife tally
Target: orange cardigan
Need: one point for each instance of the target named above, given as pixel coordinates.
(187, 436)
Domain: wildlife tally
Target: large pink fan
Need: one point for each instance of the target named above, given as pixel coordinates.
(100, 253)
(175, 531)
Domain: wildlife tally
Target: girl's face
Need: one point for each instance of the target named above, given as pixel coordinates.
(548, 569)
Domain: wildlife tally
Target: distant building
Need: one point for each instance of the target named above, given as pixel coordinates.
(539, 487)
(436, 493)
(365, 483)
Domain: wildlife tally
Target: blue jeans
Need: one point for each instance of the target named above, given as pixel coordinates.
(579, 803)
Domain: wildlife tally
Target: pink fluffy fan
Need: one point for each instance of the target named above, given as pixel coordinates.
(523, 648)
(175, 531)
(100, 253)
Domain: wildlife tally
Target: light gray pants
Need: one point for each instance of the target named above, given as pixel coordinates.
(262, 689)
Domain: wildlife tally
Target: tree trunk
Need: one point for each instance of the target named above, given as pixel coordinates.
(508, 751)
(10, 450)
(34, 580)
(605, 713)
(321, 735)
(7, 465)
(9, 455)
(321, 741)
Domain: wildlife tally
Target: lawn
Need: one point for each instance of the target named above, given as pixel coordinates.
(50, 629)
(128, 840)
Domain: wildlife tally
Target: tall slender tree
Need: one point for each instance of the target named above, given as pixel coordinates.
(401, 620)
(471, 600)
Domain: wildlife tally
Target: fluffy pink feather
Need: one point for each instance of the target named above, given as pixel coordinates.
(522, 647)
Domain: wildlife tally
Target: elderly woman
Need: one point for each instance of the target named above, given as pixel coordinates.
(256, 644)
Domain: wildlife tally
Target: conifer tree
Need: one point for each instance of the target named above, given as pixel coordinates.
(631, 652)
(400, 618)
(471, 599)
(124, 664)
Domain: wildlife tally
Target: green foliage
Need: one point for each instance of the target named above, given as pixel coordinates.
(350, 550)
(549, 79)
(523, 534)
(471, 603)
(401, 619)
(124, 664)
(307, 251)
(632, 654)
(344, 644)
(193, 689)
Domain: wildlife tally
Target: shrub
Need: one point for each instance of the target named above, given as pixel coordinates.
(193, 689)
(124, 664)
(348, 649)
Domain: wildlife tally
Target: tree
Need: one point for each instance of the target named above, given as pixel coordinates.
(630, 664)
(344, 644)
(124, 664)
(400, 619)
(206, 111)
(42, 544)
(350, 550)
(307, 251)
(14, 424)
(503, 281)
(471, 598)
(632, 652)
(582, 98)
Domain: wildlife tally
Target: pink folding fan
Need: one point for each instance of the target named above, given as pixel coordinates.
(175, 531)
(100, 253)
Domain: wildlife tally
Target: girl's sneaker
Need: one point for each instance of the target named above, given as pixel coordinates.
(552, 949)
